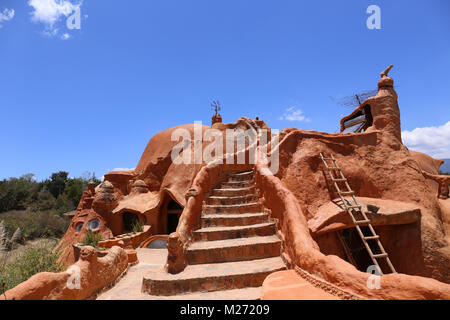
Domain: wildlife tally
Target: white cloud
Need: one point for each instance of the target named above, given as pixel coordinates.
(6, 15)
(434, 141)
(292, 114)
(65, 36)
(49, 12)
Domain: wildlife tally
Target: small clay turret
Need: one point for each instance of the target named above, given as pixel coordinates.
(217, 118)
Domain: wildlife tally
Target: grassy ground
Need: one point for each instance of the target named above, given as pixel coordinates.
(20, 249)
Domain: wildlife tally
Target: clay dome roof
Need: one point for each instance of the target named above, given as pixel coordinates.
(161, 144)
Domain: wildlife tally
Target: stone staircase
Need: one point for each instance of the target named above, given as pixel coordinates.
(235, 248)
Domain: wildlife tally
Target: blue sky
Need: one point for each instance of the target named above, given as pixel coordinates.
(89, 99)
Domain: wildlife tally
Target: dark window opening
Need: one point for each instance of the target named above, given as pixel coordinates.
(129, 220)
(360, 122)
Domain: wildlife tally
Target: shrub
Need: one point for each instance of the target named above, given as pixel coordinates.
(35, 224)
(6, 242)
(91, 239)
(137, 227)
(40, 258)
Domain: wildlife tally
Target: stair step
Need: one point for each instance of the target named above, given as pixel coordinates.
(228, 219)
(233, 192)
(232, 208)
(212, 277)
(249, 293)
(237, 184)
(245, 176)
(216, 200)
(222, 233)
(233, 250)
(241, 173)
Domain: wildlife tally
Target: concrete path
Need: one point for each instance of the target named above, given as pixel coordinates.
(153, 260)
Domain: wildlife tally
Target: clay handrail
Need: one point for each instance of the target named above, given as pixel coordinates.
(208, 176)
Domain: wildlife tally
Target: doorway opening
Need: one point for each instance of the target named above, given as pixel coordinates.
(129, 220)
(355, 251)
(173, 216)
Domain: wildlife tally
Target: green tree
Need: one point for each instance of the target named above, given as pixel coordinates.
(16, 193)
(57, 183)
(74, 190)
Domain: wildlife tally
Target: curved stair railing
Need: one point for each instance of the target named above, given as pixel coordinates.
(208, 176)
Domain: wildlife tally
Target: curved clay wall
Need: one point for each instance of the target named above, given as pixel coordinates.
(300, 250)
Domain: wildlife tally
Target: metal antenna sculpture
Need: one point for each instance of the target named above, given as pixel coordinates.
(216, 107)
(354, 100)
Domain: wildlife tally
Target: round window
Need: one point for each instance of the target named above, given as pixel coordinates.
(93, 224)
(78, 226)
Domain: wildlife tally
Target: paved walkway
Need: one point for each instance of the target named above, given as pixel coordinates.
(153, 260)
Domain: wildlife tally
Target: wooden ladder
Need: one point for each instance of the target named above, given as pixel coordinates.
(354, 208)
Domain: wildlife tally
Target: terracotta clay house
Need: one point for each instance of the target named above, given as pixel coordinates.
(288, 233)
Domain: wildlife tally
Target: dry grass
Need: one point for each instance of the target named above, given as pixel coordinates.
(26, 260)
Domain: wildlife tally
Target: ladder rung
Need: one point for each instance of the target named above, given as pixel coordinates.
(358, 222)
(354, 207)
(372, 238)
(331, 159)
(334, 168)
(339, 179)
(347, 192)
(380, 255)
